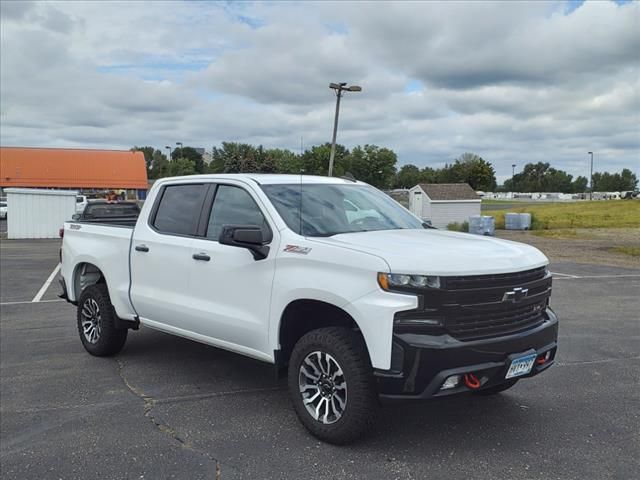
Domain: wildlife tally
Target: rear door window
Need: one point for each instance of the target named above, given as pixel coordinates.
(179, 209)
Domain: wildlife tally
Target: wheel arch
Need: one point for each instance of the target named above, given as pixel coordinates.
(85, 274)
(304, 315)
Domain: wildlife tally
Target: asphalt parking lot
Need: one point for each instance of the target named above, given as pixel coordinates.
(170, 408)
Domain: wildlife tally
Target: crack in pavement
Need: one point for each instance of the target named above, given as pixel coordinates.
(149, 403)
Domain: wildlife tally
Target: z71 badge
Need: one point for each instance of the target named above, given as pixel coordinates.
(296, 249)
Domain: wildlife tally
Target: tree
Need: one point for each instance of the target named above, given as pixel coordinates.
(628, 180)
(315, 161)
(159, 165)
(286, 161)
(468, 168)
(181, 166)
(408, 176)
(614, 182)
(191, 154)
(579, 185)
(148, 156)
(373, 165)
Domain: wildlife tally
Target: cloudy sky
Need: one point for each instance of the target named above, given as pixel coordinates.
(515, 82)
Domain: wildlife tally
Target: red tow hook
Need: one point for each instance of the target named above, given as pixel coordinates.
(543, 358)
(471, 381)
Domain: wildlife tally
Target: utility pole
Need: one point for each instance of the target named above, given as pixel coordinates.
(591, 177)
(339, 88)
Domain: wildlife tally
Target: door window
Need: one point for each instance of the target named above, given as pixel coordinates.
(234, 206)
(179, 209)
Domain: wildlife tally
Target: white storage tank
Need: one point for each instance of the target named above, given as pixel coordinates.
(482, 225)
(37, 213)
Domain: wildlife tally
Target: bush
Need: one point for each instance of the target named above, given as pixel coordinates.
(458, 227)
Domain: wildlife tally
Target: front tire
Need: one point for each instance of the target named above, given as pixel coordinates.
(331, 384)
(96, 322)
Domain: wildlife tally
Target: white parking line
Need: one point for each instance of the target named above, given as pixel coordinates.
(573, 277)
(29, 302)
(46, 284)
(563, 274)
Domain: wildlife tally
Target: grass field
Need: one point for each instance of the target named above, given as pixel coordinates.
(597, 214)
(632, 251)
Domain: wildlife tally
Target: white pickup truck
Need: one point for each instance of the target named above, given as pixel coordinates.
(327, 278)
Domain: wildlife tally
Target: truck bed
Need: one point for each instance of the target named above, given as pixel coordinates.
(107, 247)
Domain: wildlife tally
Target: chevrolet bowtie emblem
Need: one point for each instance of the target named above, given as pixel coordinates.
(515, 295)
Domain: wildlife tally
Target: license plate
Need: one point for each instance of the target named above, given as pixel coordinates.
(521, 366)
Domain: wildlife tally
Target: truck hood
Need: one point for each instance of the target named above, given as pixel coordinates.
(438, 252)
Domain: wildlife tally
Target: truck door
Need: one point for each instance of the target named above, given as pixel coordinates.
(231, 291)
(161, 256)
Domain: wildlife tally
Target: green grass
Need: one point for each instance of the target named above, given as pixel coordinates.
(632, 251)
(597, 214)
(458, 227)
(493, 201)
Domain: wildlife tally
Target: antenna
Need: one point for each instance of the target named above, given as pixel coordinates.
(300, 203)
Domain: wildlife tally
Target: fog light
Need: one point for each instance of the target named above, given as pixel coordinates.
(452, 382)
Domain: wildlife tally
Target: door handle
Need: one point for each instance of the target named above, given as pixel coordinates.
(142, 248)
(201, 256)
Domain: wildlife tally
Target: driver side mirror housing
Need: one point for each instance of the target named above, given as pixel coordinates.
(75, 216)
(250, 237)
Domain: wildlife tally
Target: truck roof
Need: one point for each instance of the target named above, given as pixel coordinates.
(267, 178)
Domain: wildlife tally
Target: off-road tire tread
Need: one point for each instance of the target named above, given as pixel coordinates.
(348, 348)
(111, 338)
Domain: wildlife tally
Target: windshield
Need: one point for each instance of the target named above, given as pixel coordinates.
(331, 209)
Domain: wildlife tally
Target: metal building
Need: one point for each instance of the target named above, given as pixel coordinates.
(35, 213)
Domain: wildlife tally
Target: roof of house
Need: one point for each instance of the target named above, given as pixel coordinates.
(449, 191)
(71, 168)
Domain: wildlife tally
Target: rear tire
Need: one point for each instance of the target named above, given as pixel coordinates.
(96, 322)
(498, 388)
(331, 384)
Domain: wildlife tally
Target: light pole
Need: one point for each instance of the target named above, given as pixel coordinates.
(513, 171)
(591, 177)
(168, 148)
(180, 143)
(339, 88)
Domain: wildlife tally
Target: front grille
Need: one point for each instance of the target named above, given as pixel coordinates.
(474, 307)
(497, 280)
(494, 323)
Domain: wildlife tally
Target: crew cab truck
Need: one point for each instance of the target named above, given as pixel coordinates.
(328, 279)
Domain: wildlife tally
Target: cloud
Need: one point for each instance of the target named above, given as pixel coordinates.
(514, 82)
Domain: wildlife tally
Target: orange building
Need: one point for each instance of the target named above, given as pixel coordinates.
(70, 168)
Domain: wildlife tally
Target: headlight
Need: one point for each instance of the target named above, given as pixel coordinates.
(389, 281)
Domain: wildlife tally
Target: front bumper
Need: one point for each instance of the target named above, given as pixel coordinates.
(421, 363)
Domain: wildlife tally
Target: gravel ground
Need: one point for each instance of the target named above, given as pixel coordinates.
(588, 246)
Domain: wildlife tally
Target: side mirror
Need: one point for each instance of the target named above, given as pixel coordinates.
(250, 237)
(75, 216)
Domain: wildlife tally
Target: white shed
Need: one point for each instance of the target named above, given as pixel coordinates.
(444, 203)
(36, 213)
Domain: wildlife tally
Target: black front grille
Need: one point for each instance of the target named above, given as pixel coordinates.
(494, 323)
(497, 280)
(476, 306)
